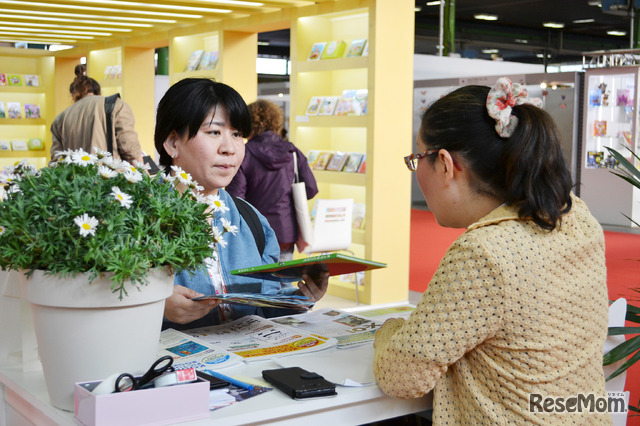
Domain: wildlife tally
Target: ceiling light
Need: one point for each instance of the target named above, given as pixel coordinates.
(597, 3)
(521, 40)
(490, 51)
(417, 9)
(29, 24)
(98, 9)
(235, 2)
(31, 30)
(81, 21)
(543, 85)
(14, 33)
(433, 3)
(486, 17)
(617, 33)
(56, 47)
(263, 43)
(159, 6)
(584, 21)
(553, 24)
(101, 17)
(33, 39)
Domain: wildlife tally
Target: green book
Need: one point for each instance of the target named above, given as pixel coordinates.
(335, 263)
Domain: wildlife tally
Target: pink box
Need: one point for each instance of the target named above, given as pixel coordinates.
(156, 406)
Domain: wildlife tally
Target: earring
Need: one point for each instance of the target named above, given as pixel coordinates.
(173, 155)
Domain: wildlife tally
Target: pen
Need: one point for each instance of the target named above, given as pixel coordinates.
(234, 382)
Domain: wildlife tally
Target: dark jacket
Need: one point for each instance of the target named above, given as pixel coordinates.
(264, 180)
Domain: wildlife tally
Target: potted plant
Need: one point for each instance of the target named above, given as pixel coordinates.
(93, 232)
(630, 349)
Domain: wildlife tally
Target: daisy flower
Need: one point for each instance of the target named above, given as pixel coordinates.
(82, 158)
(106, 172)
(125, 200)
(143, 166)
(226, 224)
(87, 224)
(182, 176)
(217, 204)
(217, 236)
(132, 177)
(2, 229)
(101, 153)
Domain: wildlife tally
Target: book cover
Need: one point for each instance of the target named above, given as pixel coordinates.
(213, 60)
(316, 51)
(107, 72)
(19, 145)
(334, 49)
(114, 72)
(264, 300)
(363, 164)
(314, 105)
(14, 110)
(356, 48)
(360, 102)
(345, 104)
(365, 50)
(328, 105)
(337, 161)
(31, 80)
(3, 79)
(627, 136)
(31, 111)
(353, 162)
(322, 160)
(595, 97)
(194, 60)
(599, 128)
(335, 263)
(14, 80)
(3, 114)
(204, 62)
(624, 97)
(118, 71)
(358, 214)
(312, 157)
(5, 145)
(35, 144)
(594, 158)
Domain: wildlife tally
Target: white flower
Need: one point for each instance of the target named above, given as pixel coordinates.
(106, 172)
(143, 166)
(109, 162)
(9, 177)
(100, 153)
(14, 189)
(182, 176)
(82, 158)
(217, 236)
(217, 204)
(132, 177)
(226, 224)
(87, 224)
(2, 229)
(124, 199)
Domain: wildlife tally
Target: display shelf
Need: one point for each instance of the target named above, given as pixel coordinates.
(181, 52)
(385, 187)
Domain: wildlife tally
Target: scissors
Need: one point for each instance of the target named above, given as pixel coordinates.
(127, 382)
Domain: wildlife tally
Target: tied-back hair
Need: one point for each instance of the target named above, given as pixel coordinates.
(188, 103)
(527, 170)
(265, 116)
(82, 84)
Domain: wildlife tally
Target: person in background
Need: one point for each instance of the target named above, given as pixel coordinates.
(83, 124)
(267, 172)
(517, 310)
(200, 130)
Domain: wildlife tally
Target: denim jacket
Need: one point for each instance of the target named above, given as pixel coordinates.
(241, 251)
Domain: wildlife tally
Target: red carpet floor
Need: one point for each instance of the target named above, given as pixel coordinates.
(429, 242)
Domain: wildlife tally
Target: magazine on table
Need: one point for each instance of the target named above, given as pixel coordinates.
(189, 352)
(264, 300)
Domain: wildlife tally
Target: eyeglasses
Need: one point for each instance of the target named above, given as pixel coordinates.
(412, 160)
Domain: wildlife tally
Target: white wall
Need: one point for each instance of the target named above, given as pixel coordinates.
(428, 67)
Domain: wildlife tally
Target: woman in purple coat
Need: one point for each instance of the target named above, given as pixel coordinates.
(267, 172)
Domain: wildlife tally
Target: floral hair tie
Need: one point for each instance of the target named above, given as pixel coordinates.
(503, 96)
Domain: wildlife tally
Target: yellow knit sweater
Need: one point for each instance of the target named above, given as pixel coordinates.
(512, 310)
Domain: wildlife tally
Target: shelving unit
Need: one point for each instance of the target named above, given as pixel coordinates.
(384, 134)
(36, 63)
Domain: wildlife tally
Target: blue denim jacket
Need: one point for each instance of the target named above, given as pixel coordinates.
(241, 252)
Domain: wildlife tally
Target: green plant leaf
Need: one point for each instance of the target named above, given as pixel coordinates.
(622, 351)
(624, 366)
(616, 331)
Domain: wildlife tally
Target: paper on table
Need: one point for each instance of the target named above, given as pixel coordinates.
(345, 367)
(189, 352)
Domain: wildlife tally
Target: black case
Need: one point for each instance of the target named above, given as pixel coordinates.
(299, 383)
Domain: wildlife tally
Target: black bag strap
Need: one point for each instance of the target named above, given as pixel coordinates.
(109, 104)
(252, 220)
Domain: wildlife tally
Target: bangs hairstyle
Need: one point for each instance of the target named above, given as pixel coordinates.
(188, 103)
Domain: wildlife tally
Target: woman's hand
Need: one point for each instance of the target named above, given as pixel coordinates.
(181, 309)
(313, 289)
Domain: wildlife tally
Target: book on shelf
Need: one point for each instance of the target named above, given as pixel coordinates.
(365, 50)
(353, 162)
(314, 105)
(363, 164)
(107, 72)
(35, 144)
(3, 114)
(599, 128)
(114, 72)
(353, 102)
(31, 111)
(14, 80)
(316, 51)
(312, 157)
(5, 145)
(194, 60)
(359, 210)
(328, 105)
(209, 61)
(337, 162)
(19, 145)
(334, 49)
(118, 71)
(356, 48)
(3, 79)
(14, 110)
(322, 160)
(31, 80)
(335, 263)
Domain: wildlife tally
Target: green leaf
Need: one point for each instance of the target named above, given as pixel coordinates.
(624, 366)
(615, 331)
(621, 351)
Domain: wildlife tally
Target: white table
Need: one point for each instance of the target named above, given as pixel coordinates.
(24, 401)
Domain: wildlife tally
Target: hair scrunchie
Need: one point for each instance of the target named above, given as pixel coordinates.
(503, 96)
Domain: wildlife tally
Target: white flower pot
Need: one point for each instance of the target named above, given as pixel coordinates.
(85, 333)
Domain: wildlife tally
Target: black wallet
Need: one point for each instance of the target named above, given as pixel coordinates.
(299, 383)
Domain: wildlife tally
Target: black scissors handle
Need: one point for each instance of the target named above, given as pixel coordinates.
(127, 382)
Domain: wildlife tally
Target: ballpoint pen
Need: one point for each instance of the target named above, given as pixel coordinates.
(233, 381)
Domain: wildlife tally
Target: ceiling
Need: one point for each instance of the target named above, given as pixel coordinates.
(517, 34)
